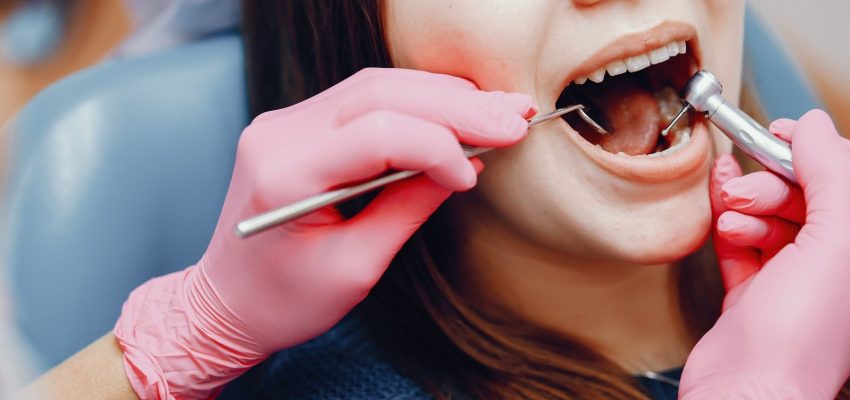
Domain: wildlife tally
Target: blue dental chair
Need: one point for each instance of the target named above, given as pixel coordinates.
(117, 174)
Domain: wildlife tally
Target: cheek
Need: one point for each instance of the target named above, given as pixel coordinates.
(478, 40)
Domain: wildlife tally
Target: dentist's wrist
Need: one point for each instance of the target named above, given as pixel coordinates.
(755, 384)
(178, 339)
(735, 360)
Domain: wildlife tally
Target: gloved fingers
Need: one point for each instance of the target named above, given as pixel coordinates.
(394, 74)
(764, 193)
(783, 128)
(768, 234)
(725, 169)
(364, 149)
(383, 140)
(818, 149)
(822, 164)
(415, 75)
(491, 119)
(734, 293)
(391, 218)
(369, 73)
(736, 263)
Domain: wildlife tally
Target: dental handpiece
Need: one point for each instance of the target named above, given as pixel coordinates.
(703, 94)
(285, 214)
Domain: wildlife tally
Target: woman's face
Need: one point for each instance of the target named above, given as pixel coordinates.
(555, 187)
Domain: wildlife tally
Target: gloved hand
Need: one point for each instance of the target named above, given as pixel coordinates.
(186, 334)
(784, 255)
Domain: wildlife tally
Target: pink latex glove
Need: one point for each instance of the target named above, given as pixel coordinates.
(186, 334)
(784, 255)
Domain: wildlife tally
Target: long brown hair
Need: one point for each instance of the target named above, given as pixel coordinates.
(298, 48)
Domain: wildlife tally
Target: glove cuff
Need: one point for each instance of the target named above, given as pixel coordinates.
(753, 384)
(177, 340)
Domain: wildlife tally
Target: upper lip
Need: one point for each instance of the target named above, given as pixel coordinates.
(634, 44)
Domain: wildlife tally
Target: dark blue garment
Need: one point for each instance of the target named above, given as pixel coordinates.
(347, 363)
(662, 390)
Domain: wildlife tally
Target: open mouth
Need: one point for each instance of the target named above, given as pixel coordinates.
(635, 98)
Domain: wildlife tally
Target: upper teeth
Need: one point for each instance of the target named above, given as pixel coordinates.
(636, 63)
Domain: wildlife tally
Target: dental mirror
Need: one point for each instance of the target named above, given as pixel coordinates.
(592, 114)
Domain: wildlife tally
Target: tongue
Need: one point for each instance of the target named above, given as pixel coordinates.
(633, 112)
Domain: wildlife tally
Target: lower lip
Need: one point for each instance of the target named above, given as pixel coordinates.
(692, 158)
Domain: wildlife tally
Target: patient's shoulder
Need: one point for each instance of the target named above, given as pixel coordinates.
(344, 363)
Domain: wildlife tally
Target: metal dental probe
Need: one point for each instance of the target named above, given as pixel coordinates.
(285, 214)
(703, 94)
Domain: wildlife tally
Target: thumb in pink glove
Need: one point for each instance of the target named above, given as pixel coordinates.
(784, 255)
(186, 334)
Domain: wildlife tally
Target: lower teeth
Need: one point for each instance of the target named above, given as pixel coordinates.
(685, 134)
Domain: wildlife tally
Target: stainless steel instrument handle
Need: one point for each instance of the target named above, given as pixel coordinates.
(704, 91)
(754, 140)
(285, 214)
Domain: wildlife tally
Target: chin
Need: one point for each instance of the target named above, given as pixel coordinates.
(669, 249)
(648, 239)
